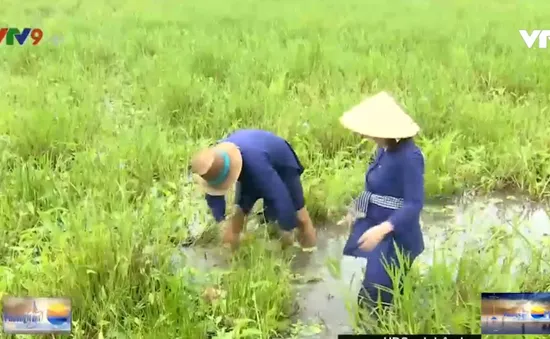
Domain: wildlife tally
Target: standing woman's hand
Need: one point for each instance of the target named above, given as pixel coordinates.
(374, 235)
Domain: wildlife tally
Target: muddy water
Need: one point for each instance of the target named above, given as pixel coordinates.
(329, 282)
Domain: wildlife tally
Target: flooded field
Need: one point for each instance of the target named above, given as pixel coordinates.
(327, 283)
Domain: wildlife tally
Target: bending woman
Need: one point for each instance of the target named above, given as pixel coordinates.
(386, 215)
(263, 166)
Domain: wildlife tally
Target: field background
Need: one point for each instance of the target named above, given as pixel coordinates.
(96, 133)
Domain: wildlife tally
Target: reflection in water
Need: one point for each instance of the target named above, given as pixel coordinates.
(446, 227)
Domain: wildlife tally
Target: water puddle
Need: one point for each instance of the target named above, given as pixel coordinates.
(329, 282)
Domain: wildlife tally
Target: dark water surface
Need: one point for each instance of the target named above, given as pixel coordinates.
(328, 282)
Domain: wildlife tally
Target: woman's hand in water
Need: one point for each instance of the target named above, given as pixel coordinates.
(374, 235)
(230, 239)
(232, 228)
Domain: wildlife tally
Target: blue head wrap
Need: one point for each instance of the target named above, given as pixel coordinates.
(224, 172)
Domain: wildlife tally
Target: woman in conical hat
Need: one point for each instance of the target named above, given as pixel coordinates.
(388, 210)
(264, 166)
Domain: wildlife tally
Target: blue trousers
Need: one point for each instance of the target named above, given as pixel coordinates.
(293, 184)
(377, 278)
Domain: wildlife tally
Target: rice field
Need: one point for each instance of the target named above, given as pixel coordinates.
(97, 123)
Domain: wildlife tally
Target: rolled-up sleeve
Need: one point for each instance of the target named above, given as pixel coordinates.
(413, 191)
(217, 206)
(272, 188)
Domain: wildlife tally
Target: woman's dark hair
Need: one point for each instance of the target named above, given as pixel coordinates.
(392, 144)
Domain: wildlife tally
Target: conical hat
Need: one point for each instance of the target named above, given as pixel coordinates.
(380, 116)
(210, 162)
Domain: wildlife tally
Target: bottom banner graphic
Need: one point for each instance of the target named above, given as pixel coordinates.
(411, 336)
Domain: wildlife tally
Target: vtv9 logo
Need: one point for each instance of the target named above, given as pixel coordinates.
(14, 34)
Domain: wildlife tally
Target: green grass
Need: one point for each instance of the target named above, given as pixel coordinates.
(445, 296)
(96, 133)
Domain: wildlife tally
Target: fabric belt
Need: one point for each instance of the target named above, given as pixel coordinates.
(361, 204)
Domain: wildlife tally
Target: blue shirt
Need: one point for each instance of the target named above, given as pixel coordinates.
(266, 157)
(399, 174)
